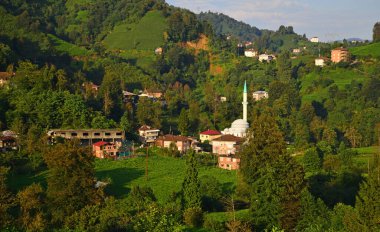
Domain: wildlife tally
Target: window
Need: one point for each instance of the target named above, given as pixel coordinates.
(85, 134)
(74, 134)
(119, 133)
(108, 134)
(97, 134)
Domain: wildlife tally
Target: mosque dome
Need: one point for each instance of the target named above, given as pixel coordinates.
(238, 128)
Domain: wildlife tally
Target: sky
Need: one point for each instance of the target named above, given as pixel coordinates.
(327, 19)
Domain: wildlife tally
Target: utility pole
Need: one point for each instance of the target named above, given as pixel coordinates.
(146, 163)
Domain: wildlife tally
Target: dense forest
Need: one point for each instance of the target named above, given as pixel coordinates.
(302, 166)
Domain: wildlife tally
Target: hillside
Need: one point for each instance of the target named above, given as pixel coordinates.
(225, 25)
(146, 34)
(370, 50)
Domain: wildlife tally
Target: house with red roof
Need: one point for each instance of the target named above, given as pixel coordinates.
(209, 135)
(104, 149)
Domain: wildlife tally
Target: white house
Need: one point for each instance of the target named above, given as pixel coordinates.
(314, 39)
(148, 134)
(320, 62)
(266, 57)
(296, 51)
(250, 53)
(258, 95)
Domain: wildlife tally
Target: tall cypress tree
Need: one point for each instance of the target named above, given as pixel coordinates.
(274, 178)
(191, 185)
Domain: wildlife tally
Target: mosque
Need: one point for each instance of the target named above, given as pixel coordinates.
(240, 126)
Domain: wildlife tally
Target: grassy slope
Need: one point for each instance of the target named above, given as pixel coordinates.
(66, 47)
(147, 34)
(341, 77)
(367, 50)
(164, 177)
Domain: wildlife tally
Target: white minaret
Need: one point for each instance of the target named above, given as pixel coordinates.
(245, 101)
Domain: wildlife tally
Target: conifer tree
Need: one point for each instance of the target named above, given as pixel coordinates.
(191, 184)
(184, 123)
(367, 200)
(6, 199)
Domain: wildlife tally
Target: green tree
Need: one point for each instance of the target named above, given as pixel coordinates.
(6, 200)
(284, 66)
(148, 112)
(312, 161)
(367, 200)
(191, 185)
(71, 180)
(183, 122)
(33, 209)
(376, 32)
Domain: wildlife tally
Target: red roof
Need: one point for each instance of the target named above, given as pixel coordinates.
(210, 132)
(100, 143)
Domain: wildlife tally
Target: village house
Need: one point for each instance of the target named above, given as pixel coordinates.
(314, 39)
(320, 61)
(8, 140)
(223, 99)
(182, 143)
(148, 134)
(266, 57)
(339, 55)
(152, 94)
(158, 51)
(209, 135)
(228, 162)
(90, 87)
(258, 95)
(226, 145)
(250, 53)
(5, 77)
(104, 149)
(129, 97)
(88, 136)
(296, 51)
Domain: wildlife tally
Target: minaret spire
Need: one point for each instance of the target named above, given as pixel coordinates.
(245, 101)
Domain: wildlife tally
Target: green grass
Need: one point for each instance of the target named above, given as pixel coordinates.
(68, 48)
(341, 78)
(227, 216)
(147, 34)
(140, 58)
(370, 50)
(165, 175)
(367, 150)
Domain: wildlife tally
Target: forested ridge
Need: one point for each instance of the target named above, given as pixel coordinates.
(310, 162)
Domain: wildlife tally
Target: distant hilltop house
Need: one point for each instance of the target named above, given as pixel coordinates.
(223, 99)
(226, 145)
(266, 57)
(104, 149)
(151, 94)
(258, 95)
(296, 50)
(8, 141)
(88, 136)
(158, 51)
(182, 143)
(248, 43)
(314, 39)
(148, 134)
(209, 135)
(90, 87)
(250, 53)
(339, 55)
(228, 162)
(320, 61)
(5, 77)
(129, 97)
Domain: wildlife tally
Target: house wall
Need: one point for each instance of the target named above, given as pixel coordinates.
(229, 163)
(223, 147)
(203, 137)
